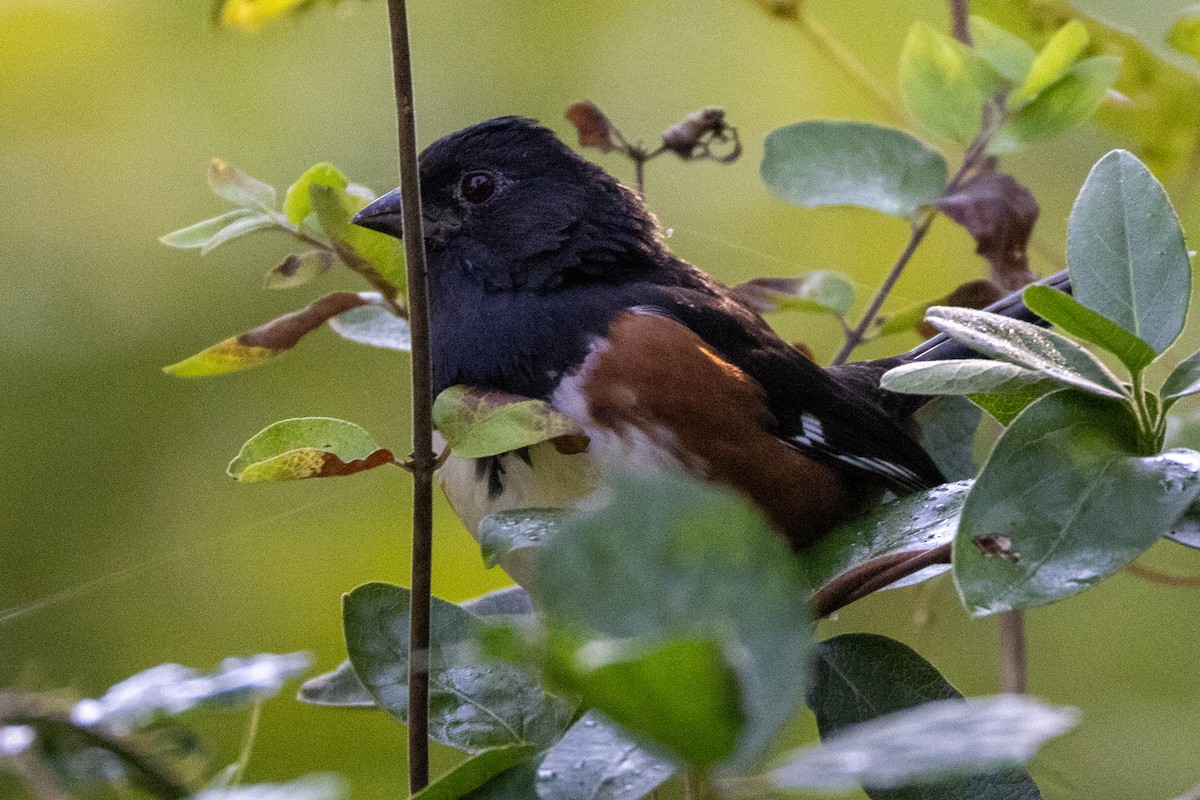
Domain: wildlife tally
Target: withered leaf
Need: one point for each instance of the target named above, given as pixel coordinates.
(979, 293)
(1000, 213)
(694, 135)
(594, 128)
(479, 423)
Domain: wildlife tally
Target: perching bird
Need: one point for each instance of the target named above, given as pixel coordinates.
(549, 279)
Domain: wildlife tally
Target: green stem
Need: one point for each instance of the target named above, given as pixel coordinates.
(247, 745)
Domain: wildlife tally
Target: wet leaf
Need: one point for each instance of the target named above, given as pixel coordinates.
(362, 249)
(1058, 55)
(597, 760)
(1005, 407)
(297, 203)
(1184, 380)
(475, 703)
(893, 532)
(299, 269)
(373, 324)
(171, 689)
(860, 676)
(1027, 345)
(1009, 55)
(963, 376)
(237, 187)
(479, 423)
(1065, 485)
(1184, 35)
(1161, 116)
(944, 84)
(594, 128)
(669, 557)
(1126, 251)
(512, 540)
(263, 343)
(199, 235)
(820, 292)
(821, 163)
(307, 447)
(1059, 308)
(1000, 214)
(317, 786)
(476, 771)
(948, 426)
(929, 743)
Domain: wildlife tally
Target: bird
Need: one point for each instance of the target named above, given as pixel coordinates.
(550, 279)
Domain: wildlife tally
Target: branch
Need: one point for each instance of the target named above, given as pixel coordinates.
(423, 458)
(1014, 668)
(960, 15)
(873, 577)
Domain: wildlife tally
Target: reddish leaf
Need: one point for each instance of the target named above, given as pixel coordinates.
(594, 128)
(1000, 213)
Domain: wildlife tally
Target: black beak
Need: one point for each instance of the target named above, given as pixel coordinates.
(383, 215)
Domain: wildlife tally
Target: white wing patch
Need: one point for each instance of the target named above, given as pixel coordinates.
(812, 437)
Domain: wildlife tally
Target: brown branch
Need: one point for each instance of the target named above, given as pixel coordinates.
(960, 15)
(423, 458)
(876, 575)
(1014, 668)
(1178, 581)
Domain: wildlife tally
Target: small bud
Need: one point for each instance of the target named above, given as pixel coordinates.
(693, 136)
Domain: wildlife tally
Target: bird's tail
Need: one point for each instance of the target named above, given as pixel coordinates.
(943, 348)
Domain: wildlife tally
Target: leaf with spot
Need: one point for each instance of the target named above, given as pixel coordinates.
(1065, 486)
(1000, 214)
(479, 423)
(944, 84)
(475, 703)
(669, 557)
(820, 292)
(1026, 345)
(299, 269)
(860, 677)
(307, 447)
(820, 163)
(257, 346)
(597, 760)
(1126, 251)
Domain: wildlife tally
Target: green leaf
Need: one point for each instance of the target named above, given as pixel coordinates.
(1184, 35)
(680, 694)
(1064, 502)
(948, 426)
(237, 229)
(299, 269)
(1162, 122)
(475, 772)
(1126, 251)
(230, 183)
(307, 447)
(597, 760)
(928, 744)
(1064, 47)
(373, 324)
(820, 292)
(1063, 105)
(821, 163)
(1005, 407)
(297, 203)
(1009, 55)
(251, 15)
(475, 703)
(513, 539)
(1026, 345)
(360, 248)
(1184, 380)
(861, 676)
(171, 689)
(963, 376)
(340, 688)
(198, 235)
(670, 557)
(479, 423)
(1077, 319)
(894, 531)
(944, 84)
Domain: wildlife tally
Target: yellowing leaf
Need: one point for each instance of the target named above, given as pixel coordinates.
(1052, 63)
(307, 447)
(360, 248)
(297, 204)
(228, 355)
(251, 15)
(944, 84)
(478, 423)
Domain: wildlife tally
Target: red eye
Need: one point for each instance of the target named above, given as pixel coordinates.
(477, 187)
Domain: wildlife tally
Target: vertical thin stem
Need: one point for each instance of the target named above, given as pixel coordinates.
(960, 25)
(248, 739)
(423, 457)
(1013, 665)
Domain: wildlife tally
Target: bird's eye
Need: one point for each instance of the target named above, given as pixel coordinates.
(476, 187)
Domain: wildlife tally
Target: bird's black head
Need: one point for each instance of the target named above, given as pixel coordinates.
(510, 207)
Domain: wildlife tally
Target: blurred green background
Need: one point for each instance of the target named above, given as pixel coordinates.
(124, 545)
